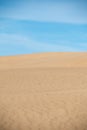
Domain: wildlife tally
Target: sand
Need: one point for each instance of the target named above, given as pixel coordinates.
(45, 91)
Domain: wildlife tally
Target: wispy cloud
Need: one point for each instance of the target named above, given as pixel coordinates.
(47, 11)
(28, 26)
(6, 38)
(30, 45)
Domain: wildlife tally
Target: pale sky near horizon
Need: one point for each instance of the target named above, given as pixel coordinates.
(32, 26)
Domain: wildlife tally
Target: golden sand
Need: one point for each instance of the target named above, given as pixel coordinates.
(45, 91)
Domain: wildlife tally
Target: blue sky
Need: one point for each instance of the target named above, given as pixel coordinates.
(32, 26)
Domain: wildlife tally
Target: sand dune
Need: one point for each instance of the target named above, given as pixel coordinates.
(43, 92)
(44, 60)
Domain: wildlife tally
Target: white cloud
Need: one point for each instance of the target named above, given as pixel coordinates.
(47, 11)
(6, 38)
(29, 43)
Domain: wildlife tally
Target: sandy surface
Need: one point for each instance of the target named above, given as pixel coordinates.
(43, 92)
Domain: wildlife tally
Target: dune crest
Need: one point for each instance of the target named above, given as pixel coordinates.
(68, 59)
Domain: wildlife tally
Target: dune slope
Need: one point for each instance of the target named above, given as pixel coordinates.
(43, 92)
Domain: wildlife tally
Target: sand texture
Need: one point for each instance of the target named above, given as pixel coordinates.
(45, 91)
